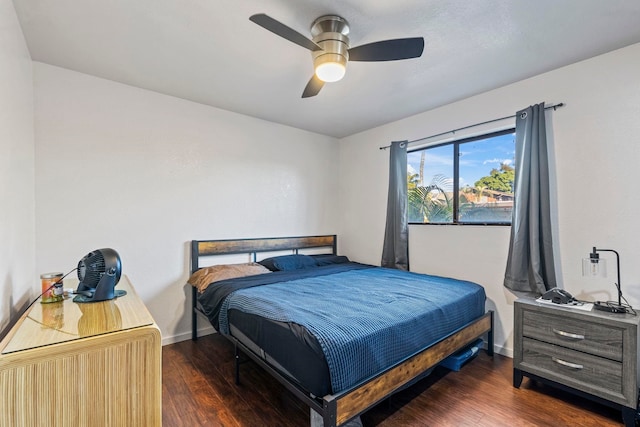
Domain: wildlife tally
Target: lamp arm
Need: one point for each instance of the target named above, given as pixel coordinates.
(618, 270)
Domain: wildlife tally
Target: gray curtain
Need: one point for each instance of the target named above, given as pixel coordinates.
(395, 251)
(530, 266)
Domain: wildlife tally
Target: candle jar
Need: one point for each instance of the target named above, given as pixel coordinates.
(49, 293)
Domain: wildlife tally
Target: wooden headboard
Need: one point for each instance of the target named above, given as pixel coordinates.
(200, 248)
(254, 246)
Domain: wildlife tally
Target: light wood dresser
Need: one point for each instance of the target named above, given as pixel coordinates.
(92, 364)
(590, 353)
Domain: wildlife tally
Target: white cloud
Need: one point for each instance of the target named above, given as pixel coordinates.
(498, 161)
(435, 159)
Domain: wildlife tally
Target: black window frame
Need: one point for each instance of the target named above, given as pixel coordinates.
(456, 176)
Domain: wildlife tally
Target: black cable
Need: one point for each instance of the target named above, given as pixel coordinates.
(626, 306)
(12, 323)
(57, 282)
(629, 309)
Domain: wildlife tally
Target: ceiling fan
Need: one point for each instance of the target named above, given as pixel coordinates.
(330, 48)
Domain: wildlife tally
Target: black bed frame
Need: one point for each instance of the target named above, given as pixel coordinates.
(337, 409)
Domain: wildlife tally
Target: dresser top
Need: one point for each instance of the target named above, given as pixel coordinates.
(47, 324)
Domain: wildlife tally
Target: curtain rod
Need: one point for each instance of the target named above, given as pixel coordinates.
(555, 107)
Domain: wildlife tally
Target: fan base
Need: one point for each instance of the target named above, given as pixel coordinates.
(85, 299)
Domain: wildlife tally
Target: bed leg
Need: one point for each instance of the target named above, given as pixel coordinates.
(194, 326)
(315, 419)
(490, 336)
(194, 316)
(237, 357)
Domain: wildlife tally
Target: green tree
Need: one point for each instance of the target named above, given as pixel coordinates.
(498, 180)
(431, 203)
(413, 180)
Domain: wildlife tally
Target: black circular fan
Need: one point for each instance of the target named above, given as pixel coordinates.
(99, 272)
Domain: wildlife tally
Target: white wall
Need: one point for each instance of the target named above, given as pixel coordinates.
(145, 173)
(18, 282)
(595, 155)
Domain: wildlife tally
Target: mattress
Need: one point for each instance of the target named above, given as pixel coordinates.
(330, 328)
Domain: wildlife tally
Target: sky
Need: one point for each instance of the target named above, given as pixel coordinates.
(477, 158)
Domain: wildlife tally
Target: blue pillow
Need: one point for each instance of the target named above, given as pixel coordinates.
(329, 259)
(288, 262)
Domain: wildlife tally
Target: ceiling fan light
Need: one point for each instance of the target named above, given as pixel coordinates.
(330, 67)
(330, 71)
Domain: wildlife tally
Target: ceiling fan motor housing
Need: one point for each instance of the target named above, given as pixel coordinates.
(330, 33)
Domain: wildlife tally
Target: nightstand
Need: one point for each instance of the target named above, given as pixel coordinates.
(91, 364)
(590, 353)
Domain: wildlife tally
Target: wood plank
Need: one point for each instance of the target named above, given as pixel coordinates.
(216, 365)
(480, 395)
(183, 383)
(236, 246)
(377, 389)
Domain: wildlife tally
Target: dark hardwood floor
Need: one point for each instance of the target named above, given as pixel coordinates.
(199, 390)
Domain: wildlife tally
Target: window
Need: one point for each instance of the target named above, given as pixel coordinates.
(468, 181)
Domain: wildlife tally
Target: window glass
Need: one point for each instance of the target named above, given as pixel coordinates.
(469, 181)
(430, 185)
(486, 179)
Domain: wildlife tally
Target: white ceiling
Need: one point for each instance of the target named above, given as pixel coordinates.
(209, 52)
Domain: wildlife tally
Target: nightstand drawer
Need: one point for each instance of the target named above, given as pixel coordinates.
(597, 339)
(579, 370)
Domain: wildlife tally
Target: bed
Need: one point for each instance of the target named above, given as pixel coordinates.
(341, 336)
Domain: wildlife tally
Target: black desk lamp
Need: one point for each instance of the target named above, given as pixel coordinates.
(594, 266)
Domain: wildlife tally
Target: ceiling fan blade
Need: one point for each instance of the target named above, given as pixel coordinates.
(388, 50)
(282, 30)
(313, 87)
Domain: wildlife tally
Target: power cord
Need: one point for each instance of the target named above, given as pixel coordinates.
(57, 284)
(4, 332)
(626, 306)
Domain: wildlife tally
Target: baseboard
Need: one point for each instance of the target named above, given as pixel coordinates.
(503, 351)
(207, 330)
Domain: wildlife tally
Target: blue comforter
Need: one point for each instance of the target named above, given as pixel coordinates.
(365, 319)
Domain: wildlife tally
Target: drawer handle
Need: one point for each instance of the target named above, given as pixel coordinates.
(567, 364)
(568, 334)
